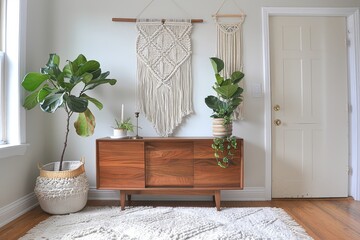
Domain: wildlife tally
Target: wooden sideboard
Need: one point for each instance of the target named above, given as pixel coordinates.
(165, 166)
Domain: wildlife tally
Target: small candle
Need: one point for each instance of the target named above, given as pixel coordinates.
(122, 112)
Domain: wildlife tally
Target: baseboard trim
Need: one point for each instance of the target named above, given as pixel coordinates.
(248, 194)
(16, 209)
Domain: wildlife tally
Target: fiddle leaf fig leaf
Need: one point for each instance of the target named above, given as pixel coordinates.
(31, 100)
(33, 80)
(96, 102)
(88, 66)
(52, 102)
(217, 64)
(237, 76)
(76, 104)
(54, 59)
(85, 124)
(227, 91)
(43, 93)
(219, 79)
(87, 77)
(80, 60)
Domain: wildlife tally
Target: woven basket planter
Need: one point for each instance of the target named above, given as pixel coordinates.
(221, 130)
(62, 192)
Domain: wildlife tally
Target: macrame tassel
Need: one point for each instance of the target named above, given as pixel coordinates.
(164, 73)
(229, 49)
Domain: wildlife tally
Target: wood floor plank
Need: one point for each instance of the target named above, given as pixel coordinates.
(322, 218)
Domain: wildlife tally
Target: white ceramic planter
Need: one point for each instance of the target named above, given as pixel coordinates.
(62, 192)
(119, 133)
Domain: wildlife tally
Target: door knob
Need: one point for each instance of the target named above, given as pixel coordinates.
(277, 122)
(276, 107)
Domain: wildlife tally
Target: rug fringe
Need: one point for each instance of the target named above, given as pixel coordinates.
(290, 222)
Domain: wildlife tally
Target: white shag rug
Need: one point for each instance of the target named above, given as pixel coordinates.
(170, 223)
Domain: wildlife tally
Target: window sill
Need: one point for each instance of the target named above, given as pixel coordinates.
(9, 150)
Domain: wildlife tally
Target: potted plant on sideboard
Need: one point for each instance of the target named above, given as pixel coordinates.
(122, 127)
(62, 186)
(228, 98)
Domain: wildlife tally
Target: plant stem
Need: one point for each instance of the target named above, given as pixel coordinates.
(69, 113)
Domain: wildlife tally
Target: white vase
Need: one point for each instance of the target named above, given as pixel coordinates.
(221, 130)
(119, 133)
(62, 192)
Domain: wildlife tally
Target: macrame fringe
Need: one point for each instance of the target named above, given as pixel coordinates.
(164, 73)
(229, 49)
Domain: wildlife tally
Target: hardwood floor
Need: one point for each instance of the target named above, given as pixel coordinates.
(324, 219)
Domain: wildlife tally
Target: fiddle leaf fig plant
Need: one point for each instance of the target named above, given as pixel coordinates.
(228, 92)
(53, 89)
(228, 97)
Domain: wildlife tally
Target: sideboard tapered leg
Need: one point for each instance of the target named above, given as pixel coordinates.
(122, 199)
(217, 199)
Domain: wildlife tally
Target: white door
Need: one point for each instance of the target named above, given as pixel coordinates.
(310, 107)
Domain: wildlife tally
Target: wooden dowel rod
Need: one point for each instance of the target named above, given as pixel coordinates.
(229, 15)
(163, 20)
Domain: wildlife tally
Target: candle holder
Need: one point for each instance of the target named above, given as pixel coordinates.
(137, 126)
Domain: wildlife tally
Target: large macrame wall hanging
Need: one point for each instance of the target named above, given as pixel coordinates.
(164, 91)
(229, 47)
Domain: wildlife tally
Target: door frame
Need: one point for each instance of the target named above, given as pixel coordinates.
(353, 25)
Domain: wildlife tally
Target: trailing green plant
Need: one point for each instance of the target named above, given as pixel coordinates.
(228, 92)
(53, 88)
(126, 125)
(223, 150)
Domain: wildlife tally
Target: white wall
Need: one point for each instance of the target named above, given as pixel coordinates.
(70, 27)
(18, 174)
(85, 26)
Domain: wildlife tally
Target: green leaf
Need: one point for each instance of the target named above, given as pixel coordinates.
(85, 124)
(236, 77)
(98, 104)
(95, 83)
(33, 80)
(52, 103)
(31, 100)
(226, 82)
(87, 77)
(54, 59)
(43, 93)
(219, 79)
(217, 64)
(227, 91)
(80, 60)
(89, 66)
(76, 104)
(67, 70)
(214, 103)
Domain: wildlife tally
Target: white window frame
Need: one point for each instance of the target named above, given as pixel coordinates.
(14, 66)
(2, 101)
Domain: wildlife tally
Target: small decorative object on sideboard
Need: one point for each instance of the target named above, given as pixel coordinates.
(62, 186)
(137, 126)
(121, 128)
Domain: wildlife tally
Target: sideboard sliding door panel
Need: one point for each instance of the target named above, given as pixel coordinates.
(120, 165)
(208, 174)
(169, 164)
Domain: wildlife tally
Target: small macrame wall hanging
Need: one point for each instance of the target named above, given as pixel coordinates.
(164, 72)
(229, 46)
